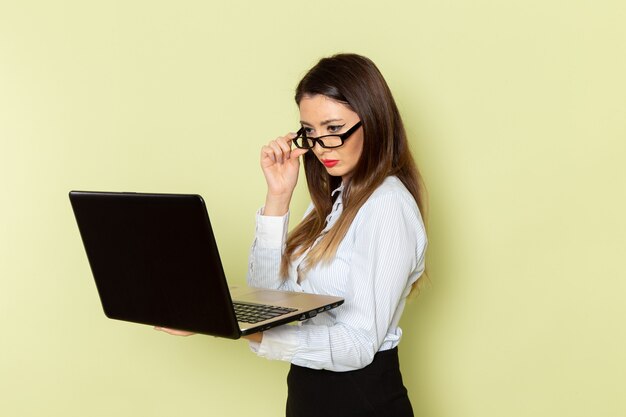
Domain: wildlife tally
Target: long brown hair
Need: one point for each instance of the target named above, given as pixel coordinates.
(356, 82)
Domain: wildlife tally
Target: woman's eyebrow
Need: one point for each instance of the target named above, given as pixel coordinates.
(324, 123)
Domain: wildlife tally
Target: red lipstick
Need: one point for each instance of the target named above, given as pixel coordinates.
(329, 163)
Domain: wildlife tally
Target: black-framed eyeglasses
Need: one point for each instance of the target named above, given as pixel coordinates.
(302, 141)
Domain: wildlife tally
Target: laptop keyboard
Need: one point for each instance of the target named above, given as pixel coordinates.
(254, 313)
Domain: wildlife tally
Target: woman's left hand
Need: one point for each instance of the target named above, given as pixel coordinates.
(254, 337)
(174, 331)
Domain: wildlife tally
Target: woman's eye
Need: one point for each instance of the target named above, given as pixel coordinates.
(335, 128)
(307, 131)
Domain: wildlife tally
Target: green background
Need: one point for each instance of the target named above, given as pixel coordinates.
(516, 113)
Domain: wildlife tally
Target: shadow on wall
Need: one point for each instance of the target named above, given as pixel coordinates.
(425, 313)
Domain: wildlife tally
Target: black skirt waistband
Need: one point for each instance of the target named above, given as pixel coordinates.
(375, 390)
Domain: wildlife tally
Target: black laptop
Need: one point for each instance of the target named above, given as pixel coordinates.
(155, 261)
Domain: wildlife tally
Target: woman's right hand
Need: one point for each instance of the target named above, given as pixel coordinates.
(174, 332)
(281, 165)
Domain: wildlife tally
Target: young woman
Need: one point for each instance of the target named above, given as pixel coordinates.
(362, 238)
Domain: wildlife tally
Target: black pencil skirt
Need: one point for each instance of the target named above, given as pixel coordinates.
(376, 390)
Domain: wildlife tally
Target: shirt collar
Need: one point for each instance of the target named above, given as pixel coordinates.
(337, 190)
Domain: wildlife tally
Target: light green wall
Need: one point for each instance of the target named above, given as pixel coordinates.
(516, 110)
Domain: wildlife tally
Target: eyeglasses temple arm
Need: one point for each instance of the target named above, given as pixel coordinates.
(351, 131)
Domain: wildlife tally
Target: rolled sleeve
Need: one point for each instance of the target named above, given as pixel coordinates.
(266, 251)
(271, 231)
(280, 343)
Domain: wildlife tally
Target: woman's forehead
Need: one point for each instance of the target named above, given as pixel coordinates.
(319, 108)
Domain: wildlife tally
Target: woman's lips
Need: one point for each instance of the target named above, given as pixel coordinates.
(329, 163)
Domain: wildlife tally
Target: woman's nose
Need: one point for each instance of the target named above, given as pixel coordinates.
(318, 149)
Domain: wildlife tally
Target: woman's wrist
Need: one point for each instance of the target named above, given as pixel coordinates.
(276, 205)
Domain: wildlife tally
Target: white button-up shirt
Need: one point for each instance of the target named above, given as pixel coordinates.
(376, 263)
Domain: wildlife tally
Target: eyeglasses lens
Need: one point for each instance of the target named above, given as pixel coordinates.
(330, 141)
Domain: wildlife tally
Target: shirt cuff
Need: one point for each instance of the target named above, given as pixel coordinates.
(271, 231)
(279, 343)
